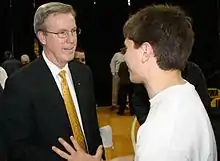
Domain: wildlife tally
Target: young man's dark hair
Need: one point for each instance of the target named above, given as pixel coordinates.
(171, 42)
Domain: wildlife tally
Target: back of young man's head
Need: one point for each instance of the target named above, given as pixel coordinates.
(167, 29)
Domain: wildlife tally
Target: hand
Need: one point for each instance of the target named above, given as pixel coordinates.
(78, 154)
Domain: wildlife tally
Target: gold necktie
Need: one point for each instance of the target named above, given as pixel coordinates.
(71, 111)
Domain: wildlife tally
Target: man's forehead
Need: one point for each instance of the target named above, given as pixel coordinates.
(60, 22)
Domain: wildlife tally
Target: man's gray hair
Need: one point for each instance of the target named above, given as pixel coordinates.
(47, 9)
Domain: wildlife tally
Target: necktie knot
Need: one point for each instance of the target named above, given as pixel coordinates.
(62, 74)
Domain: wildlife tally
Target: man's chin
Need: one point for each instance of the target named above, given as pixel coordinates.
(70, 57)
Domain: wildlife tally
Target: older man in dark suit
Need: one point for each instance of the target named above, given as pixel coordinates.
(53, 96)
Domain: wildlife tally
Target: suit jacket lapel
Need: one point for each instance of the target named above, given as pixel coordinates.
(76, 77)
(52, 93)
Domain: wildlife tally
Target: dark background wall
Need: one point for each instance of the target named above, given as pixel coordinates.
(101, 36)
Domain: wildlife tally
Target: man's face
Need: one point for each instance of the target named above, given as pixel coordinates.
(61, 47)
(80, 56)
(137, 60)
(132, 61)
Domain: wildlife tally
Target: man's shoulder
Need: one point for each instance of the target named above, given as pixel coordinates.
(30, 70)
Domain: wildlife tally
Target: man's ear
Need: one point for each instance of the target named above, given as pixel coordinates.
(147, 51)
(42, 37)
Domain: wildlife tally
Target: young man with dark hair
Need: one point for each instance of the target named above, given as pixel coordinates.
(159, 41)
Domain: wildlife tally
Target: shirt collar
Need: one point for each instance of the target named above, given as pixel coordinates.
(54, 69)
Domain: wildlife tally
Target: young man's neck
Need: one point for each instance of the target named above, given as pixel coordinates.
(160, 81)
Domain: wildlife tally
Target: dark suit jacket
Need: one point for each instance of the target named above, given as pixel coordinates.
(123, 74)
(1, 90)
(193, 74)
(35, 114)
(140, 102)
(3, 154)
(11, 66)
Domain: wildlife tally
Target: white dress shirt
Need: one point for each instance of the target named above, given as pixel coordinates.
(55, 72)
(3, 77)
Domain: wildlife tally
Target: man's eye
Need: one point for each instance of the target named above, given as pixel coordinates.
(63, 32)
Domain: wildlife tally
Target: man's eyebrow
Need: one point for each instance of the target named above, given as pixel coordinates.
(74, 28)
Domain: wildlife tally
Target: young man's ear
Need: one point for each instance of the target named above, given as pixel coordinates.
(147, 51)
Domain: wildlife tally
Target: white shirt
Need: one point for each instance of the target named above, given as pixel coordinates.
(55, 72)
(177, 128)
(116, 60)
(3, 77)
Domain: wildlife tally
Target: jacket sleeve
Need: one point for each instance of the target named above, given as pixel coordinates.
(19, 126)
